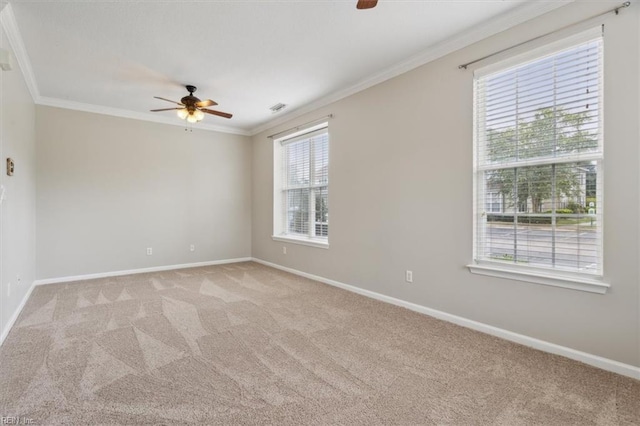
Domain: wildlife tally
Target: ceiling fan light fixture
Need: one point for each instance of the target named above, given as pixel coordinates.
(191, 108)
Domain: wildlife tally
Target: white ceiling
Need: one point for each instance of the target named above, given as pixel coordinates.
(114, 56)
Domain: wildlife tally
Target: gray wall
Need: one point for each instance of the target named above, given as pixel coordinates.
(108, 188)
(17, 213)
(401, 198)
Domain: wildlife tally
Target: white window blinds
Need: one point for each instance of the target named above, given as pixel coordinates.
(305, 185)
(538, 159)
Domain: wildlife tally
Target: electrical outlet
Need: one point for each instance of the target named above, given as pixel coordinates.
(10, 167)
(192, 247)
(284, 250)
(149, 251)
(408, 276)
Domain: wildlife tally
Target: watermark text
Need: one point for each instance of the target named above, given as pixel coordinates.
(16, 420)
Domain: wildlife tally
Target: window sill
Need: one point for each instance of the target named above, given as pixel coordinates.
(302, 241)
(591, 285)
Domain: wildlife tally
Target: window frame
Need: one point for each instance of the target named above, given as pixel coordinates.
(576, 280)
(280, 188)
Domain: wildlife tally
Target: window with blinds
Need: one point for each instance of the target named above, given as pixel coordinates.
(538, 159)
(304, 194)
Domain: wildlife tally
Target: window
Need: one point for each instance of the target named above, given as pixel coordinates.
(493, 201)
(301, 196)
(538, 150)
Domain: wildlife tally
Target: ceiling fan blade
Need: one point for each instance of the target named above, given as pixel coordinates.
(206, 103)
(164, 109)
(221, 114)
(366, 4)
(168, 100)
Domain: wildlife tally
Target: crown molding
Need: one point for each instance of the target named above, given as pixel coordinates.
(501, 23)
(144, 116)
(524, 13)
(10, 25)
(8, 22)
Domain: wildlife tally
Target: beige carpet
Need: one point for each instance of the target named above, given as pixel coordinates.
(247, 344)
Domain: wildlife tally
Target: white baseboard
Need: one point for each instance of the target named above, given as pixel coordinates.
(16, 313)
(590, 359)
(14, 317)
(138, 271)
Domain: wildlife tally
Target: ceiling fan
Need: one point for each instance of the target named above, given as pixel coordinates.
(366, 4)
(191, 108)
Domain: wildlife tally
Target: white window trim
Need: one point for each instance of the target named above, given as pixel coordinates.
(305, 241)
(539, 52)
(550, 277)
(536, 276)
(317, 242)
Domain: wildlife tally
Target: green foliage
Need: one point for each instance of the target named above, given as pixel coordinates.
(560, 211)
(575, 208)
(537, 220)
(508, 258)
(492, 217)
(550, 133)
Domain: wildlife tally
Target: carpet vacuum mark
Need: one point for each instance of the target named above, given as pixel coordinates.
(245, 344)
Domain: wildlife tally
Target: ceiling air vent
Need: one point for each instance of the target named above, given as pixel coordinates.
(277, 108)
